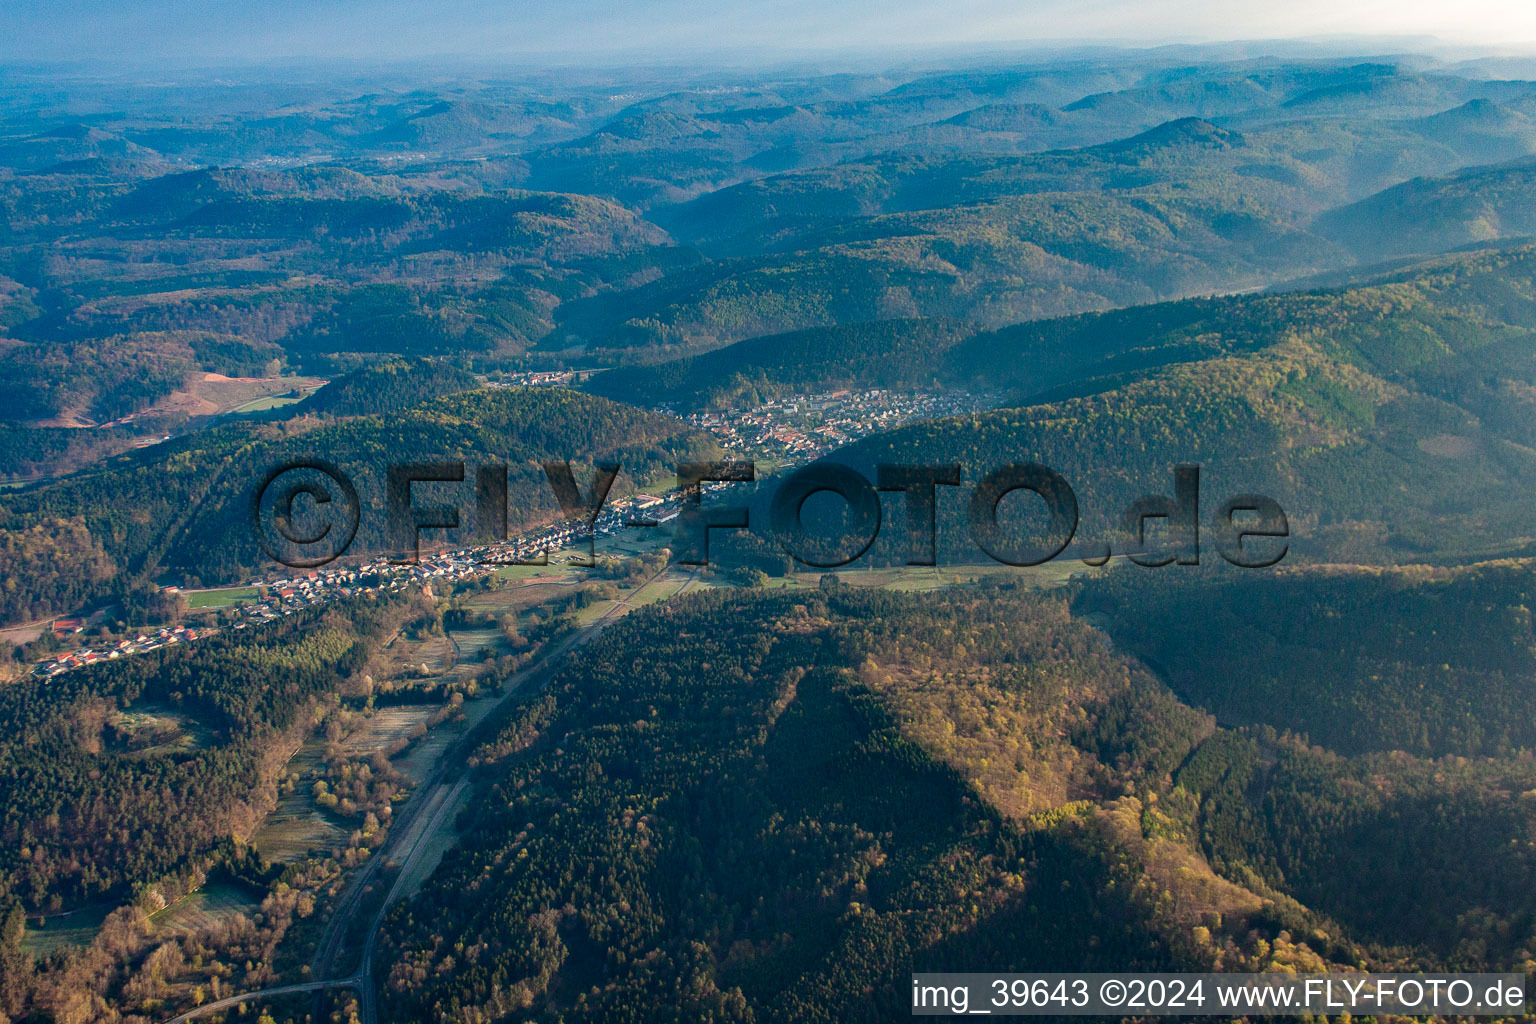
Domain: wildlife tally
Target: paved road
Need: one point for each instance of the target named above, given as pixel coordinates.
(408, 839)
(230, 1002)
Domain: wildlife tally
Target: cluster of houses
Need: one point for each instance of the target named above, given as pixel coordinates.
(808, 426)
(286, 596)
(539, 379)
(277, 598)
(616, 516)
(162, 637)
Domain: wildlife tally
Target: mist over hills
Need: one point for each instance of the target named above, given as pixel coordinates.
(774, 205)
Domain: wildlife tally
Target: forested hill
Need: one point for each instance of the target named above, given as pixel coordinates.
(1391, 421)
(615, 227)
(961, 778)
(694, 819)
(1392, 323)
(95, 815)
(885, 353)
(1189, 206)
(182, 508)
(387, 387)
(1434, 214)
(1432, 661)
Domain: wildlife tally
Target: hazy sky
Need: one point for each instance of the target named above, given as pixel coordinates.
(53, 29)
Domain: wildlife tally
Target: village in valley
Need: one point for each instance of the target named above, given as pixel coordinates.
(778, 434)
(805, 427)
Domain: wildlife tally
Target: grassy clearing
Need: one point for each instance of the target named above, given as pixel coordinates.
(514, 600)
(292, 831)
(211, 905)
(634, 544)
(592, 612)
(407, 658)
(658, 484)
(386, 727)
(220, 598)
(424, 755)
(18, 635)
(242, 395)
(553, 572)
(269, 402)
(156, 729)
(74, 930)
(471, 642)
(669, 586)
(298, 825)
(519, 600)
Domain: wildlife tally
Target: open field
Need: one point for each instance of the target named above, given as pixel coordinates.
(671, 583)
(423, 756)
(212, 394)
(470, 642)
(164, 729)
(75, 929)
(292, 831)
(273, 401)
(385, 728)
(521, 599)
(24, 634)
(553, 572)
(213, 904)
(516, 598)
(297, 825)
(251, 394)
(405, 658)
(220, 598)
(631, 542)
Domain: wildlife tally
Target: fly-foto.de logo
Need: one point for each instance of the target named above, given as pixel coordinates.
(306, 513)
